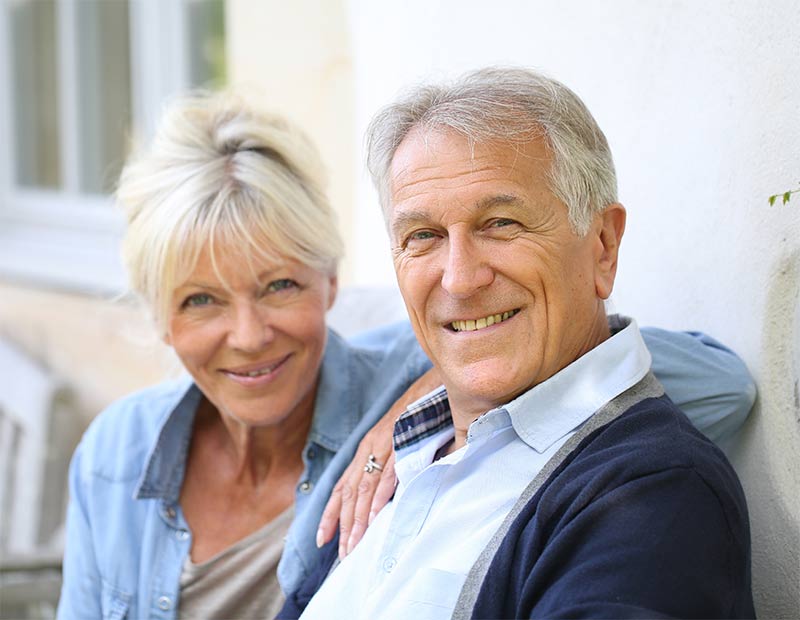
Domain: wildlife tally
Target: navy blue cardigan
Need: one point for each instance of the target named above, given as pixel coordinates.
(645, 518)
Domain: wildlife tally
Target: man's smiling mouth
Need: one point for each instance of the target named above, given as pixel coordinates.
(471, 325)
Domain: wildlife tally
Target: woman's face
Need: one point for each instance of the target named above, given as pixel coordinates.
(253, 346)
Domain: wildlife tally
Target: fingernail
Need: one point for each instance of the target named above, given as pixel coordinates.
(319, 538)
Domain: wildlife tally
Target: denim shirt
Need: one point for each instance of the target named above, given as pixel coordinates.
(127, 538)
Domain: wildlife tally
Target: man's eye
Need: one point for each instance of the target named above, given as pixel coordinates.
(420, 238)
(197, 300)
(502, 221)
(281, 285)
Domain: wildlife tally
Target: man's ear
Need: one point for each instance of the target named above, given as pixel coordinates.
(612, 226)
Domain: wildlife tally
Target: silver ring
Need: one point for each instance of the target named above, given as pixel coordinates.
(372, 465)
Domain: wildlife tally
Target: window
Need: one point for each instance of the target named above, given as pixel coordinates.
(86, 81)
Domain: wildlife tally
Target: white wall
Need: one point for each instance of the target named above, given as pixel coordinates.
(296, 56)
(701, 104)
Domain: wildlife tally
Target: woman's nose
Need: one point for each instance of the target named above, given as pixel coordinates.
(250, 329)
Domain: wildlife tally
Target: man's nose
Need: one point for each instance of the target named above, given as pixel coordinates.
(251, 329)
(466, 269)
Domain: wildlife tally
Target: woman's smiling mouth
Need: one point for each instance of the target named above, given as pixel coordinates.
(255, 374)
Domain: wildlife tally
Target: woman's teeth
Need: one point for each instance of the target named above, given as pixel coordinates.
(472, 325)
(257, 373)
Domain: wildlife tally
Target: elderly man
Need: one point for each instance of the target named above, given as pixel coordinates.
(550, 476)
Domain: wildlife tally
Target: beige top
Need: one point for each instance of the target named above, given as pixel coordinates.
(241, 581)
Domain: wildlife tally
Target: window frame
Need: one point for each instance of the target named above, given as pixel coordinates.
(65, 239)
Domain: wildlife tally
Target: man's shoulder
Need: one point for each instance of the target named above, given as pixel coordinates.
(642, 497)
(119, 439)
(652, 436)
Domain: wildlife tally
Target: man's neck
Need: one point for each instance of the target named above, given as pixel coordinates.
(466, 407)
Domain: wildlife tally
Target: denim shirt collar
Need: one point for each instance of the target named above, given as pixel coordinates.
(332, 423)
(166, 464)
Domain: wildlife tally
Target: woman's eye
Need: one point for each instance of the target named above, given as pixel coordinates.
(197, 300)
(281, 285)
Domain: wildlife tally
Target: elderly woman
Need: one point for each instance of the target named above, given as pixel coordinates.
(182, 494)
(185, 495)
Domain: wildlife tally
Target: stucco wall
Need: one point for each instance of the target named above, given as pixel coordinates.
(699, 101)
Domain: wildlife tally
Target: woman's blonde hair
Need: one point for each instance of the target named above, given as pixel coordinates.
(222, 175)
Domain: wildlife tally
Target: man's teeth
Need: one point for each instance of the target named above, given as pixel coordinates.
(471, 325)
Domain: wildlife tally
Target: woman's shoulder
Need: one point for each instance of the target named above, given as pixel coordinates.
(119, 439)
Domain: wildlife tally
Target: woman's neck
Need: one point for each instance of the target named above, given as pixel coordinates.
(256, 454)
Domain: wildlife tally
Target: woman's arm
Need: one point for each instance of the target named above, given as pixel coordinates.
(81, 587)
(359, 496)
(707, 381)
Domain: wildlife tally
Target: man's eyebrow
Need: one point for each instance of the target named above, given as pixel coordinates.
(498, 200)
(408, 218)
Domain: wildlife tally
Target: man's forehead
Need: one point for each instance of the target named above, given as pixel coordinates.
(438, 153)
(434, 163)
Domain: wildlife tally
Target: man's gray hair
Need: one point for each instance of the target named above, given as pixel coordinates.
(510, 105)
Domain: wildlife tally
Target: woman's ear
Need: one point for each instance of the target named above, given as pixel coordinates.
(612, 227)
(333, 289)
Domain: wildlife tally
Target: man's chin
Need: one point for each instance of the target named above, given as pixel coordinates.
(484, 384)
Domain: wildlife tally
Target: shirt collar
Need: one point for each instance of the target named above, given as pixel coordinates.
(581, 388)
(333, 423)
(575, 393)
(166, 463)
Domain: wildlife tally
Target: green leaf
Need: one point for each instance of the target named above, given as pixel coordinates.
(786, 197)
(772, 199)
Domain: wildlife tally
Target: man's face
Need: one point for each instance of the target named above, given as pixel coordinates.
(501, 292)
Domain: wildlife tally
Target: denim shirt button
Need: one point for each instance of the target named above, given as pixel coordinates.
(310, 454)
(164, 603)
(169, 513)
(306, 486)
(181, 534)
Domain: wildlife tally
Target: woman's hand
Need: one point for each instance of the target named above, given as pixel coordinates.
(358, 495)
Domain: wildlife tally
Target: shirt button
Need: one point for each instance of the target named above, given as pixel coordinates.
(181, 534)
(164, 603)
(389, 564)
(310, 454)
(169, 513)
(306, 486)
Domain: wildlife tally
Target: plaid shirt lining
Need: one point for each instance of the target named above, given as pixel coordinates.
(423, 419)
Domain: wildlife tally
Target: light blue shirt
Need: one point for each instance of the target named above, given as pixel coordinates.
(413, 560)
(126, 538)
